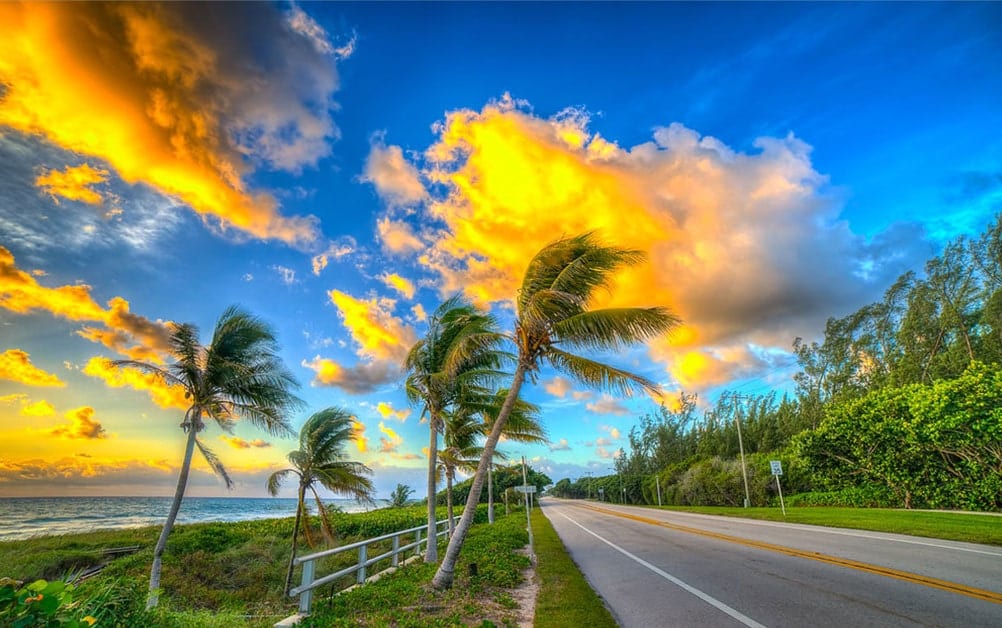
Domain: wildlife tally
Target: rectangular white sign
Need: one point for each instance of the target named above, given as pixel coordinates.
(525, 489)
(777, 467)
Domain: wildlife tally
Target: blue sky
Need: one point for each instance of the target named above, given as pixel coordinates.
(331, 167)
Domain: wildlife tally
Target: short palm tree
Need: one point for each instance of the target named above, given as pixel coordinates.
(462, 451)
(321, 458)
(553, 319)
(237, 375)
(523, 426)
(459, 350)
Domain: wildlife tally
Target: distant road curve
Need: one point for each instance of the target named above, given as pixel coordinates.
(661, 568)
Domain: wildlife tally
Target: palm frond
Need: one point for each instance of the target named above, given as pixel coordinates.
(214, 463)
(615, 328)
(275, 480)
(599, 375)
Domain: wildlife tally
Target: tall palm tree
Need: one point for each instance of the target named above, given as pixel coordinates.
(553, 319)
(321, 458)
(237, 375)
(459, 350)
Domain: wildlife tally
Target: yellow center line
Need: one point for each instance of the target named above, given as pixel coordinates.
(945, 585)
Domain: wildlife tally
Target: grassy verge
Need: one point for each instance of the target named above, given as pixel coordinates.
(565, 598)
(972, 528)
(214, 574)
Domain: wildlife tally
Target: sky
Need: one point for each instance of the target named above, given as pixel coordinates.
(340, 169)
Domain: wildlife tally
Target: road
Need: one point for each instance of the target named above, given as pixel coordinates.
(659, 568)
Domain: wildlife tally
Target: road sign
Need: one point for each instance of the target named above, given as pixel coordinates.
(777, 467)
(525, 489)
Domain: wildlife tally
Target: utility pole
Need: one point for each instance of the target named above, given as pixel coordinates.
(741, 447)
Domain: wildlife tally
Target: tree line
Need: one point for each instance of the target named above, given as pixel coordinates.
(897, 405)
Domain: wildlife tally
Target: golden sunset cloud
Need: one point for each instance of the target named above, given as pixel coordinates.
(147, 89)
(21, 293)
(386, 411)
(82, 425)
(391, 442)
(403, 286)
(726, 232)
(16, 366)
(73, 183)
(238, 443)
(378, 334)
(38, 408)
(358, 435)
(162, 394)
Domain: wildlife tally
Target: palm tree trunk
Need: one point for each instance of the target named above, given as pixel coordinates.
(182, 482)
(443, 577)
(431, 554)
(295, 537)
(325, 525)
(490, 493)
(448, 499)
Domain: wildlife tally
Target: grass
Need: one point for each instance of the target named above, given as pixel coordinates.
(479, 596)
(972, 528)
(565, 597)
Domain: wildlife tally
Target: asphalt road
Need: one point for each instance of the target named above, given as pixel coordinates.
(659, 568)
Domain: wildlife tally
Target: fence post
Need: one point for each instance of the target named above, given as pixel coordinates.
(417, 538)
(306, 597)
(396, 550)
(362, 557)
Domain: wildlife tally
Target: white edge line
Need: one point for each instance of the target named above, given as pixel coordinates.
(712, 601)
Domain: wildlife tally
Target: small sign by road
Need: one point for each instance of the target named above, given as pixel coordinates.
(525, 489)
(777, 467)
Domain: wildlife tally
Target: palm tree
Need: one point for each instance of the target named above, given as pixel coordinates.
(459, 350)
(523, 426)
(461, 451)
(321, 458)
(552, 319)
(237, 375)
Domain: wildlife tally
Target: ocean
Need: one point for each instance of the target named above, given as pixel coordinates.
(24, 517)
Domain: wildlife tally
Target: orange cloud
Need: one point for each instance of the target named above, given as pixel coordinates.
(147, 89)
(386, 411)
(162, 394)
(396, 180)
(404, 286)
(379, 334)
(361, 378)
(21, 293)
(238, 443)
(392, 441)
(83, 425)
(746, 247)
(397, 236)
(73, 183)
(16, 366)
(419, 314)
(358, 435)
(558, 386)
(39, 408)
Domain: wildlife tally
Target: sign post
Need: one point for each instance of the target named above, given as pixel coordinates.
(528, 490)
(777, 470)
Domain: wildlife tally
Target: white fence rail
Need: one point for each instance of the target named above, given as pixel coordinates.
(311, 581)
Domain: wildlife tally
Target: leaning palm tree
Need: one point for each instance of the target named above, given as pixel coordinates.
(461, 452)
(459, 350)
(321, 458)
(523, 426)
(552, 319)
(237, 375)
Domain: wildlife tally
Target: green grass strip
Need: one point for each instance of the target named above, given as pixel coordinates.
(952, 526)
(565, 597)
